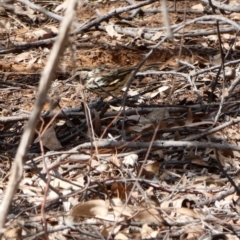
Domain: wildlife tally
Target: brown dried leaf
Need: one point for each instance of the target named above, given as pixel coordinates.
(150, 215)
(118, 190)
(223, 160)
(91, 208)
(193, 158)
(14, 233)
(153, 167)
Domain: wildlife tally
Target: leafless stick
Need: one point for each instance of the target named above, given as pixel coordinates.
(42, 10)
(130, 32)
(110, 14)
(82, 28)
(233, 85)
(166, 19)
(207, 18)
(215, 67)
(159, 145)
(213, 130)
(217, 77)
(45, 82)
(149, 33)
(227, 7)
(140, 145)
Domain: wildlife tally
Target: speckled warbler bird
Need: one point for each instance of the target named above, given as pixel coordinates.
(103, 80)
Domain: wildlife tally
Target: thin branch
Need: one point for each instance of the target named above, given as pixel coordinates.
(45, 82)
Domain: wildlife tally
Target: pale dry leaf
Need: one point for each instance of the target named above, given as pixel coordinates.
(148, 232)
(151, 95)
(225, 92)
(66, 206)
(115, 160)
(60, 184)
(235, 16)
(199, 7)
(163, 89)
(157, 35)
(116, 202)
(115, 108)
(102, 167)
(158, 115)
(130, 160)
(139, 33)
(68, 220)
(107, 231)
(94, 163)
(231, 237)
(5, 26)
(39, 34)
(213, 38)
(120, 236)
(49, 139)
(216, 60)
(26, 181)
(52, 28)
(131, 92)
(73, 201)
(112, 33)
(22, 57)
(230, 73)
(30, 64)
(28, 192)
(26, 11)
(61, 7)
(79, 157)
(80, 179)
(160, 153)
(92, 208)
